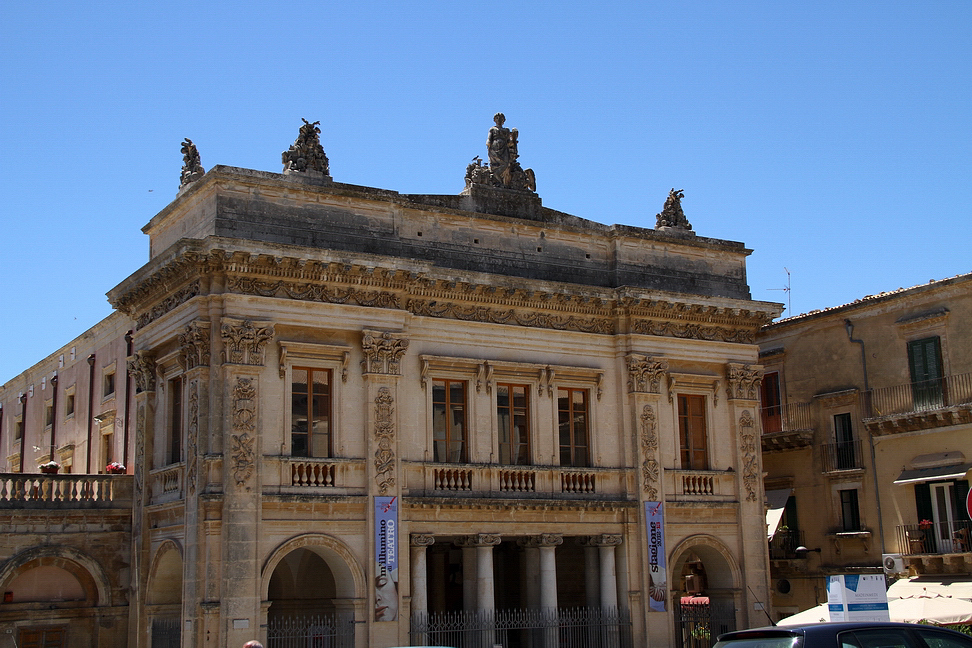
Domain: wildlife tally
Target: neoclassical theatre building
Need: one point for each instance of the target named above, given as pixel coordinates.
(398, 419)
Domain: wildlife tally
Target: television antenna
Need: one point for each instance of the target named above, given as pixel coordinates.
(786, 289)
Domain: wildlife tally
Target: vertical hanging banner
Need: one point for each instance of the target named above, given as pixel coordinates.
(386, 558)
(657, 571)
(857, 597)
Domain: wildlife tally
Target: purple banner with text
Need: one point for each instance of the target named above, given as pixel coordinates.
(386, 558)
(657, 571)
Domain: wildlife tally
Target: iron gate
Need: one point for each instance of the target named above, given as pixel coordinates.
(311, 631)
(165, 633)
(698, 625)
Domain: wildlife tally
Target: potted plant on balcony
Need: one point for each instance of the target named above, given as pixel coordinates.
(49, 468)
(115, 468)
(924, 525)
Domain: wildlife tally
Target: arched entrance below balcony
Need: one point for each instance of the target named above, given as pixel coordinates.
(705, 586)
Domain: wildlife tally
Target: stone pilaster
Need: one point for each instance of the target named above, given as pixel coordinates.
(142, 367)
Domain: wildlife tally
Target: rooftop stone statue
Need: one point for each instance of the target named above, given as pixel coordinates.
(503, 170)
(192, 169)
(671, 214)
(306, 153)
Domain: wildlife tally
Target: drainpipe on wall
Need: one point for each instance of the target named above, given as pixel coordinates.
(23, 428)
(870, 438)
(91, 388)
(53, 415)
(128, 393)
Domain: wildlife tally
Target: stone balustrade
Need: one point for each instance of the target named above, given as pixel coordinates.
(302, 475)
(701, 485)
(165, 483)
(29, 491)
(515, 481)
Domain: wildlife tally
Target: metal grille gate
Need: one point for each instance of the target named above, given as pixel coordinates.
(563, 628)
(311, 631)
(165, 633)
(699, 625)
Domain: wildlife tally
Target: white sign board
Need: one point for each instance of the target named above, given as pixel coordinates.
(857, 597)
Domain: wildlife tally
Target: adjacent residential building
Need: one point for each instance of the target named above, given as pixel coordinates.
(867, 441)
(397, 419)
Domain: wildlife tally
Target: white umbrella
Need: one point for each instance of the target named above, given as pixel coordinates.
(942, 610)
(937, 609)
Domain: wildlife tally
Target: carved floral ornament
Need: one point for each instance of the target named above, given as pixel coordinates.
(645, 373)
(142, 368)
(194, 345)
(244, 425)
(750, 455)
(244, 341)
(383, 352)
(649, 447)
(384, 437)
(389, 288)
(744, 381)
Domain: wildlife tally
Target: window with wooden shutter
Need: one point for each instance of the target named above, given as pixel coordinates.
(925, 363)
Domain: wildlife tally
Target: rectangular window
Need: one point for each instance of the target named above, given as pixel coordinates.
(449, 421)
(109, 384)
(844, 439)
(69, 406)
(925, 363)
(691, 431)
(574, 427)
(107, 449)
(18, 429)
(310, 413)
(513, 416)
(49, 415)
(850, 514)
(772, 407)
(175, 422)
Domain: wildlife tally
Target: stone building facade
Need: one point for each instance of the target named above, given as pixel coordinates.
(867, 441)
(358, 404)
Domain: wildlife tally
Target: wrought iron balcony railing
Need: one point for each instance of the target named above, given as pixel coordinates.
(843, 455)
(783, 545)
(941, 538)
(786, 417)
(924, 396)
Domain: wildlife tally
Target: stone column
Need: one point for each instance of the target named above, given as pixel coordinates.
(609, 575)
(531, 553)
(548, 543)
(419, 569)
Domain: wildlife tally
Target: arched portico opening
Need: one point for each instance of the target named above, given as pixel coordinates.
(312, 589)
(163, 598)
(706, 588)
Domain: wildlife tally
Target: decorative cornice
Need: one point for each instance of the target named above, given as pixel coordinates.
(615, 310)
(744, 381)
(645, 373)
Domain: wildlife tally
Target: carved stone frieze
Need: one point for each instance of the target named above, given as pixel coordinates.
(448, 310)
(749, 450)
(384, 438)
(744, 381)
(383, 352)
(192, 438)
(649, 449)
(169, 303)
(142, 368)
(693, 331)
(244, 342)
(645, 373)
(244, 425)
(194, 345)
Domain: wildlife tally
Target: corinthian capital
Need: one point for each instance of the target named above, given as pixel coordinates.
(142, 368)
(645, 373)
(383, 352)
(744, 381)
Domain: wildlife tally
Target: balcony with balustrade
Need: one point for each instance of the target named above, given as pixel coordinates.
(919, 405)
(65, 492)
(786, 426)
(936, 548)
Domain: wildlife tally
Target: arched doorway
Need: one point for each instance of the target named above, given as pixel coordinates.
(705, 587)
(312, 589)
(163, 599)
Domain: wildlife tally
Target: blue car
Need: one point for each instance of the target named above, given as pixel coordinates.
(846, 635)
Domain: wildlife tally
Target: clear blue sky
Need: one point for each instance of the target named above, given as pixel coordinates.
(833, 138)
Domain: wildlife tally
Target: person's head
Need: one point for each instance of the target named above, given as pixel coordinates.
(386, 596)
(253, 644)
(499, 118)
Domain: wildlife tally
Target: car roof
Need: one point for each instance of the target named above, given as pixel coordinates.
(831, 628)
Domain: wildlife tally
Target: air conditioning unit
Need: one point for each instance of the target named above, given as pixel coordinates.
(693, 584)
(893, 564)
